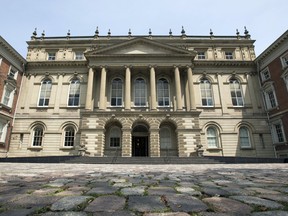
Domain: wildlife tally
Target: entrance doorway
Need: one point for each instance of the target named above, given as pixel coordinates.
(140, 146)
(140, 141)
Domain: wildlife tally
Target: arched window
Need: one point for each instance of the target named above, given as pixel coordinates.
(206, 92)
(212, 137)
(45, 92)
(165, 138)
(140, 92)
(163, 92)
(37, 136)
(69, 136)
(74, 93)
(244, 137)
(236, 93)
(115, 137)
(116, 92)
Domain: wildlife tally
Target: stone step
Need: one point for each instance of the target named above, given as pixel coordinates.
(142, 160)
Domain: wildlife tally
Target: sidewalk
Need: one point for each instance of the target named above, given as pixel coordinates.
(150, 190)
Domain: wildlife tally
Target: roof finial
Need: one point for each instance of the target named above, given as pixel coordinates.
(96, 32)
(183, 31)
(150, 32)
(237, 33)
(246, 32)
(170, 32)
(68, 34)
(211, 32)
(109, 33)
(129, 32)
(34, 34)
(43, 34)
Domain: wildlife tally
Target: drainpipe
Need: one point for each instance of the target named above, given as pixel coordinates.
(265, 107)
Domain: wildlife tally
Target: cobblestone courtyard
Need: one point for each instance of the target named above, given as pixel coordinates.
(150, 190)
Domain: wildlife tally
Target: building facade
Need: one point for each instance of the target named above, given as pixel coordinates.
(273, 74)
(141, 96)
(12, 66)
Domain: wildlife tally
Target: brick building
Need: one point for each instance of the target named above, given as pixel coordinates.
(12, 66)
(273, 74)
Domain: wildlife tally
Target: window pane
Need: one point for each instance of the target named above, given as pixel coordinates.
(116, 92)
(37, 139)
(74, 93)
(69, 137)
(163, 92)
(212, 138)
(206, 92)
(45, 93)
(244, 137)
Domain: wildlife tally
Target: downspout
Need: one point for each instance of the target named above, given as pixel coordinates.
(265, 107)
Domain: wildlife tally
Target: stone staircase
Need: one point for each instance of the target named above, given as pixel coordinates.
(142, 160)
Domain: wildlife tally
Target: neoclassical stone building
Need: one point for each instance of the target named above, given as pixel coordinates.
(141, 96)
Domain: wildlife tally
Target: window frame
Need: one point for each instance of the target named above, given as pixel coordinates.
(235, 91)
(202, 56)
(78, 55)
(140, 89)
(206, 91)
(117, 98)
(167, 137)
(163, 97)
(51, 56)
(8, 100)
(13, 73)
(3, 130)
(69, 134)
(37, 138)
(271, 103)
(113, 138)
(284, 60)
(45, 97)
(229, 55)
(72, 97)
(263, 76)
(241, 137)
(276, 132)
(216, 138)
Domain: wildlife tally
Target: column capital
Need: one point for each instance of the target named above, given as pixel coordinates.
(128, 66)
(190, 66)
(152, 66)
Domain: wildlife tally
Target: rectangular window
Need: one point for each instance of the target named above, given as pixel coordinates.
(284, 60)
(270, 98)
(114, 141)
(51, 56)
(0, 60)
(228, 55)
(201, 55)
(265, 75)
(3, 127)
(278, 133)
(8, 96)
(79, 55)
(12, 73)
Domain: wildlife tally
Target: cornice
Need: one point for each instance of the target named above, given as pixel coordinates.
(225, 63)
(57, 64)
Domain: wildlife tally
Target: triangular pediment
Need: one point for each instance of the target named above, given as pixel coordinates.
(140, 46)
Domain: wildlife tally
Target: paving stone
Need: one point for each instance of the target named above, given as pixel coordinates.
(188, 190)
(217, 214)
(59, 182)
(161, 191)
(108, 203)
(45, 191)
(140, 190)
(18, 212)
(225, 205)
(167, 214)
(117, 213)
(258, 201)
(270, 213)
(237, 191)
(146, 204)
(67, 213)
(122, 184)
(185, 203)
(214, 191)
(102, 190)
(116, 180)
(69, 203)
(263, 190)
(275, 197)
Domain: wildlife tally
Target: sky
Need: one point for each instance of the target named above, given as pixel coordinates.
(266, 20)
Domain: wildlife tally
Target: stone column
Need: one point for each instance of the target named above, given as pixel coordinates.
(153, 105)
(103, 100)
(252, 86)
(58, 93)
(89, 105)
(178, 88)
(126, 142)
(154, 142)
(30, 86)
(191, 89)
(128, 89)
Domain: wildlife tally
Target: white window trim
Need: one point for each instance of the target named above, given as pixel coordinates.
(11, 96)
(48, 55)
(274, 132)
(170, 102)
(269, 87)
(217, 138)
(145, 105)
(4, 131)
(205, 55)
(39, 94)
(212, 98)
(64, 137)
(76, 55)
(241, 90)
(249, 138)
(122, 95)
(229, 51)
(263, 78)
(69, 93)
(32, 138)
(0, 60)
(284, 64)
